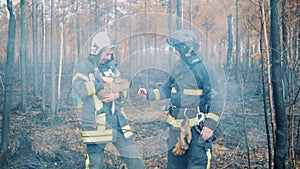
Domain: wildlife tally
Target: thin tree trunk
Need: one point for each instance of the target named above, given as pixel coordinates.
(237, 60)
(288, 86)
(35, 47)
(262, 63)
(280, 149)
(268, 69)
(179, 14)
(97, 17)
(23, 57)
(116, 32)
(53, 70)
(43, 47)
(170, 26)
(229, 50)
(60, 61)
(9, 72)
(190, 13)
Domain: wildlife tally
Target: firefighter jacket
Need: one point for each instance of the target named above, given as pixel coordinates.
(188, 97)
(100, 120)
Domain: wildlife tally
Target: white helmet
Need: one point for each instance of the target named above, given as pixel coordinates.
(101, 41)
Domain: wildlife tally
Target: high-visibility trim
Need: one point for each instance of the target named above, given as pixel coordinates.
(97, 133)
(173, 90)
(213, 116)
(177, 123)
(79, 106)
(87, 162)
(174, 122)
(97, 136)
(156, 94)
(127, 131)
(97, 139)
(193, 92)
(90, 87)
(101, 121)
(97, 103)
(208, 154)
(80, 75)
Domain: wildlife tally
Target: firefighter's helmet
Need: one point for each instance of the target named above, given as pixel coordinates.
(185, 41)
(101, 41)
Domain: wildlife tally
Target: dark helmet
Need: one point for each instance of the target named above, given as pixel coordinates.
(101, 41)
(185, 41)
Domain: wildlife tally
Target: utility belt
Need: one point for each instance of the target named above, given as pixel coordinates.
(177, 117)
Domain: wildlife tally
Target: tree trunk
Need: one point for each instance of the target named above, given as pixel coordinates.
(23, 57)
(35, 46)
(60, 61)
(268, 69)
(43, 48)
(280, 149)
(116, 32)
(237, 60)
(53, 60)
(179, 14)
(262, 63)
(170, 26)
(190, 13)
(9, 72)
(229, 50)
(97, 17)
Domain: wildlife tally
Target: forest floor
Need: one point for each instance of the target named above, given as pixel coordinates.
(39, 139)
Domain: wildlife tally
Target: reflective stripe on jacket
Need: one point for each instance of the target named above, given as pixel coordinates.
(182, 88)
(99, 124)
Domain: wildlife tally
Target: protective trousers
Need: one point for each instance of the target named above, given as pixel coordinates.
(126, 147)
(198, 155)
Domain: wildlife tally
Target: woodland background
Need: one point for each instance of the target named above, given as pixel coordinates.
(254, 44)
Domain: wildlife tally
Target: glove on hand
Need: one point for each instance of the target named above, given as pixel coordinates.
(184, 139)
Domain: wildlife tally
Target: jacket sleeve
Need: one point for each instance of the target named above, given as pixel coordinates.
(162, 92)
(85, 85)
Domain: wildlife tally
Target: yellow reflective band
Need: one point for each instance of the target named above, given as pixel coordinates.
(87, 162)
(173, 90)
(193, 92)
(90, 88)
(101, 121)
(170, 119)
(126, 130)
(79, 106)
(213, 116)
(97, 133)
(208, 154)
(80, 75)
(101, 118)
(97, 139)
(98, 103)
(174, 122)
(156, 94)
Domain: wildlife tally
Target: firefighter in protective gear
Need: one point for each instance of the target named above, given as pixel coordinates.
(103, 118)
(190, 92)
